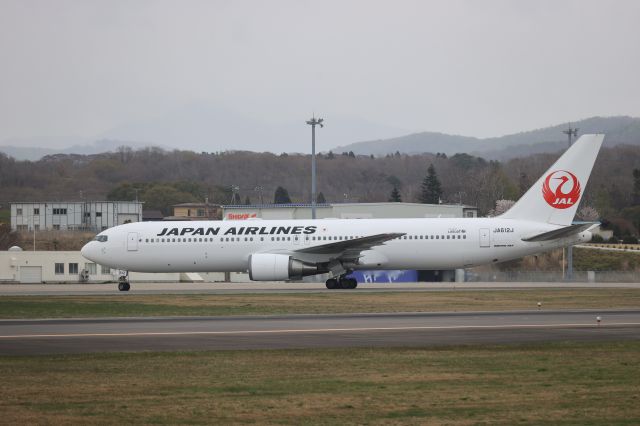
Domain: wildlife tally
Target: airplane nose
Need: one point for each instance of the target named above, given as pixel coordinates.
(86, 250)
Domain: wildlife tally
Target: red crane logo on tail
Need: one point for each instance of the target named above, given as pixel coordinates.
(561, 189)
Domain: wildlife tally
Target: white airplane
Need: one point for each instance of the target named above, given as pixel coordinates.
(273, 250)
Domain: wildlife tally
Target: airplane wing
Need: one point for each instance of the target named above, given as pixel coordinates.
(561, 232)
(349, 249)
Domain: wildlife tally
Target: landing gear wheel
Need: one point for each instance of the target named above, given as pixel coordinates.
(124, 286)
(348, 283)
(332, 283)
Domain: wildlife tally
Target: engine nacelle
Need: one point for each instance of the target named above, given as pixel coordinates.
(278, 267)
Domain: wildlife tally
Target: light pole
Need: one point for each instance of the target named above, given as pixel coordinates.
(313, 122)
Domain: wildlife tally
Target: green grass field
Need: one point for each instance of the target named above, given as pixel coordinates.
(560, 383)
(131, 305)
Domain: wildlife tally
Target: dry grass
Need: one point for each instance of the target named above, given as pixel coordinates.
(303, 303)
(552, 384)
(54, 240)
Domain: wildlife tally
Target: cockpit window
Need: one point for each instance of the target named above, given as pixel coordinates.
(101, 238)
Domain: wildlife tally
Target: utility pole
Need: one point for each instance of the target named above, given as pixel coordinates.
(571, 133)
(313, 122)
(259, 189)
(235, 194)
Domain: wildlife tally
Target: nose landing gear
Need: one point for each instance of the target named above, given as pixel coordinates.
(123, 282)
(341, 282)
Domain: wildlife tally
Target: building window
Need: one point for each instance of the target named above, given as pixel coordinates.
(22, 227)
(98, 214)
(36, 211)
(59, 267)
(36, 227)
(105, 270)
(200, 212)
(19, 211)
(91, 268)
(56, 227)
(188, 212)
(59, 211)
(73, 268)
(87, 214)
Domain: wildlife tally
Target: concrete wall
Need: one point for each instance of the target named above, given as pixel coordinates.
(16, 265)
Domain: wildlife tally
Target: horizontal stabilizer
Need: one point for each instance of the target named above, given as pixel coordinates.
(561, 232)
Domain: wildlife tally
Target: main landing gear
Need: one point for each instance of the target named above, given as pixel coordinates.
(341, 283)
(123, 283)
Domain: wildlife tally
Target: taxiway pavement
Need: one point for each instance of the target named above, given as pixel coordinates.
(50, 336)
(280, 287)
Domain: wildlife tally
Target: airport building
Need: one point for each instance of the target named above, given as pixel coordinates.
(93, 216)
(197, 211)
(347, 211)
(18, 266)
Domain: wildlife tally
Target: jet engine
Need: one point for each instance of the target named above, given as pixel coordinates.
(277, 267)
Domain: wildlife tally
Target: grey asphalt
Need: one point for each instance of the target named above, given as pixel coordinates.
(279, 287)
(52, 336)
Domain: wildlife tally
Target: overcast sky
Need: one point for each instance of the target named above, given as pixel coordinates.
(77, 70)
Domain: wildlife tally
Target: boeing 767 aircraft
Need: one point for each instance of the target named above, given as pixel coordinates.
(272, 250)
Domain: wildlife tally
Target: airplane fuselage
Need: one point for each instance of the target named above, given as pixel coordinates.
(226, 246)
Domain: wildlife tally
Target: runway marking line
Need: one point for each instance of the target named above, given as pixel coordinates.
(317, 330)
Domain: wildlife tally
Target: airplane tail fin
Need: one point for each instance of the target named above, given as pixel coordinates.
(555, 197)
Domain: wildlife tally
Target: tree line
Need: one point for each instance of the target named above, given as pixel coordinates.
(162, 178)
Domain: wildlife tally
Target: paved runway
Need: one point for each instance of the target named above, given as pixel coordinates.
(280, 287)
(23, 337)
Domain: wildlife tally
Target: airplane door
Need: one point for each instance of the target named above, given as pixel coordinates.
(485, 236)
(132, 241)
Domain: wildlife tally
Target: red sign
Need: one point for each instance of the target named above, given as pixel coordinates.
(561, 189)
(241, 216)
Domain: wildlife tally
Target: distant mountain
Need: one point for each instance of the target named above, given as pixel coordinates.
(618, 130)
(205, 128)
(97, 147)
